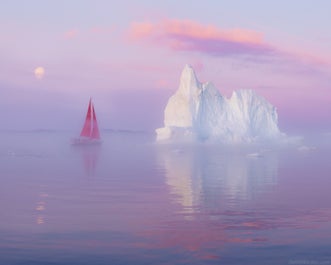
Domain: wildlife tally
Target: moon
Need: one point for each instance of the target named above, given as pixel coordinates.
(39, 72)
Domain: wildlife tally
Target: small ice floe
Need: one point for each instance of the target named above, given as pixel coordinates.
(11, 153)
(254, 155)
(326, 134)
(177, 151)
(305, 148)
(18, 154)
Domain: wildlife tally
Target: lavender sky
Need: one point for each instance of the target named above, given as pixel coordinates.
(128, 55)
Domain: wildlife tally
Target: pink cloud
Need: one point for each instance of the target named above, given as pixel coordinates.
(70, 34)
(191, 36)
(141, 30)
(191, 29)
(186, 35)
(317, 60)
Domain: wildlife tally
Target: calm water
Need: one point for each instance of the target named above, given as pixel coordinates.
(130, 201)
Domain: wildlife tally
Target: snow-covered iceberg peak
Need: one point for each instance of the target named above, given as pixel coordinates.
(189, 83)
(182, 107)
(198, 111)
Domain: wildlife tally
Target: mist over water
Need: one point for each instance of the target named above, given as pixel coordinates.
(132, 201)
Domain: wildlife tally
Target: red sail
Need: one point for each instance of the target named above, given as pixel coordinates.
(86, 131)
(95, 130)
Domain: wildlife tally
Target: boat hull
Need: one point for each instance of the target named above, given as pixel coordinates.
(85, 141)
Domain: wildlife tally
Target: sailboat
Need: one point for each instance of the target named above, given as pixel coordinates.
(90, 133)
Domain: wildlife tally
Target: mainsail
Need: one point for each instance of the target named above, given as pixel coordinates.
(90, 128)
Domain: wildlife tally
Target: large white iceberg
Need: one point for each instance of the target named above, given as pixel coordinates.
(199, 111)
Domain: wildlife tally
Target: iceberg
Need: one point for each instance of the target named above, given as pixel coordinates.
(198, 111)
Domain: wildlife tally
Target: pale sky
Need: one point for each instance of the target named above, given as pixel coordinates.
(128, 55)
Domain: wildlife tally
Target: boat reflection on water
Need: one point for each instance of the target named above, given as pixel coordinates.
(89, 155)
